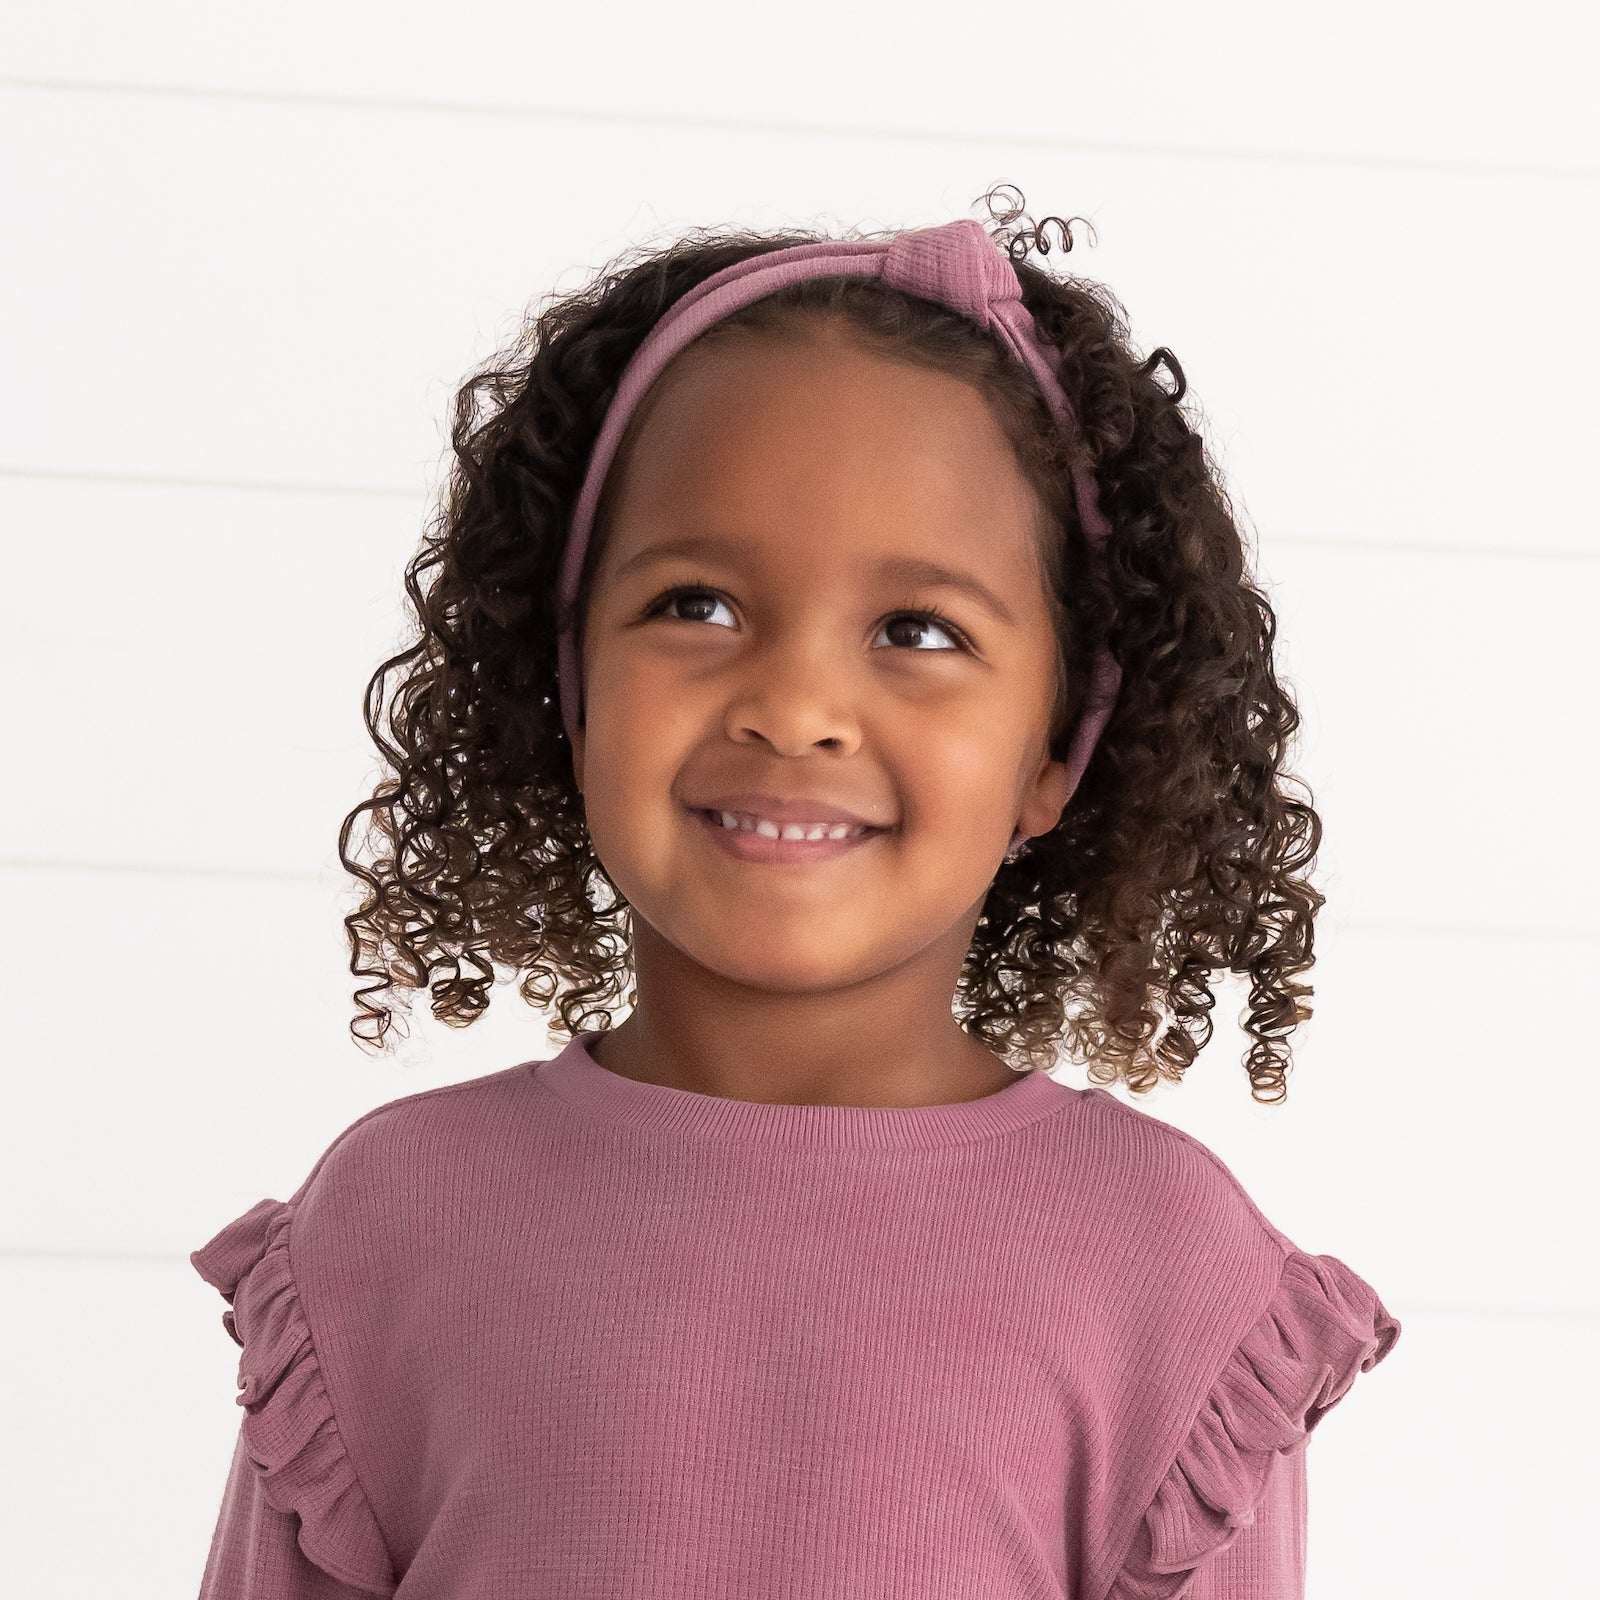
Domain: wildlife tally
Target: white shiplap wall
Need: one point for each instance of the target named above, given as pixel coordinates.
(249, 253)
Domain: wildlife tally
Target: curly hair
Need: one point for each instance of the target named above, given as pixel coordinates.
(1184, 850)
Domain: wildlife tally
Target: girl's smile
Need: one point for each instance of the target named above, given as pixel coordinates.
(748, 837)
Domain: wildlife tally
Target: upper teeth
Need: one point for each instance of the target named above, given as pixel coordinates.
(788, 830)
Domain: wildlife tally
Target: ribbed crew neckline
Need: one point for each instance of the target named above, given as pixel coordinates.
(577, 1078)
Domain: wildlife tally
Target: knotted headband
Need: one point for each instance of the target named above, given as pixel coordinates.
(955, 264)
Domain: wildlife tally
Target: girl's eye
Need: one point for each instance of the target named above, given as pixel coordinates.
(930, 618)
(673, 596)
(924, 618)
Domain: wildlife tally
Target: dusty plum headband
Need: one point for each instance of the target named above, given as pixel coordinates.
(955, 264)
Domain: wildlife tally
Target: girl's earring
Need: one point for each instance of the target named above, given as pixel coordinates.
(1019, 839)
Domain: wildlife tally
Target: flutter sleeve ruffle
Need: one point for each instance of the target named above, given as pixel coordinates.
(1323, 1325)
(289, 1431)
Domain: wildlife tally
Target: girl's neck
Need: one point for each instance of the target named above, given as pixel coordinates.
(957, 1070)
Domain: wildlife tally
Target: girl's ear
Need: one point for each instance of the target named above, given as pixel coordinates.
(1044, 799)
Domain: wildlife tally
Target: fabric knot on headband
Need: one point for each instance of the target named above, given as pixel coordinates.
(956, 265)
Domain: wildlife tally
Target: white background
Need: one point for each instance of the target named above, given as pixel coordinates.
(248, 254)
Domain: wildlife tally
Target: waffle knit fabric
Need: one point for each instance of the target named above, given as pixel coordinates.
(556, 1334)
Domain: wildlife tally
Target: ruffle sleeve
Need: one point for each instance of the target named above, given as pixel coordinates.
(1323, 1326)
(289, 1431)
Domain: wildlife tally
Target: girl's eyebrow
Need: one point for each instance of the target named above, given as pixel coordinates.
(917, 570)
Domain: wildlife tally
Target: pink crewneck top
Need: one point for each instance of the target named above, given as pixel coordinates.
(556, 1334)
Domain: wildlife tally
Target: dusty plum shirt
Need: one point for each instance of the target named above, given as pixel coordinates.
(555, 1334)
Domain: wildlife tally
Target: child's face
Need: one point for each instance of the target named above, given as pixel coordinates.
(802, 464)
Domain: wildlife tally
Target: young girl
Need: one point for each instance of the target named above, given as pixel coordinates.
(842, 646)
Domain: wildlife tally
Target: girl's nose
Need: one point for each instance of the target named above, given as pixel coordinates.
(788, 699)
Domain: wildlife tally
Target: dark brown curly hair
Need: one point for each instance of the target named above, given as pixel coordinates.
(1183, 851)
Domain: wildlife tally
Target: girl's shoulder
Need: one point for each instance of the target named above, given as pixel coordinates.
(375, 1191)
(1165, 1178)
(1259, 1338)
(397, 1136)
(295, 1274)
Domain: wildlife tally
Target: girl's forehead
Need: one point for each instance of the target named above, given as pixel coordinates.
(820, 368)
(815, 428)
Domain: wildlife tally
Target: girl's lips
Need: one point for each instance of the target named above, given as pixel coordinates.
(758, 847)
